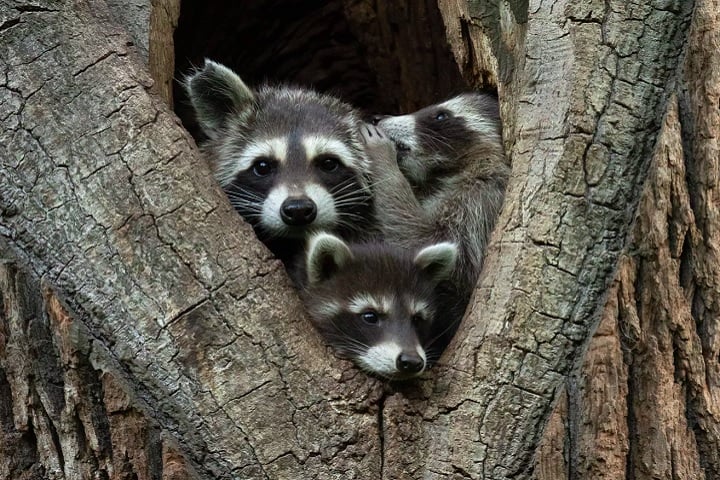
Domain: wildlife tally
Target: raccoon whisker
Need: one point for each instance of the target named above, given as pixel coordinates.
(432, 358)
(341, 192)
(345, 184)
(358, 192)
(246, 206)
(349, 348)
(351, 213)
(250, 201)
(353, 197)
(372, 186)
(235, 186)
(349, 187)
(352, 201)
(348, 212)
(252, 216)
(247, 197)
(434, 139)
(346, 217)
(337, 332)
(254, 204)
(452, 325)
(346, 341)
(246, 211)
(240, 193)
(432, 352)
(345, 337)
(380, 181)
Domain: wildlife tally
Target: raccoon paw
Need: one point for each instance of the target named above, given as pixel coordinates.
(379, 148)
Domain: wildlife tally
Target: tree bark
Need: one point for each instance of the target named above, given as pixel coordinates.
(105, 198)
(138, 305)
(582, 112)
(65, 413)
(646, 402)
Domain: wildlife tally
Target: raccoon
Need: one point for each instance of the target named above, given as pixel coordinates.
(377, 303)
(440, 175)
(290, 159)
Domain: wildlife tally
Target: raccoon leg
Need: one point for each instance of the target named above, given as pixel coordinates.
(402, 219)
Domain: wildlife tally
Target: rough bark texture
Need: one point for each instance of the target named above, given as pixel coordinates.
(63, 412)
(584, 88)
(104, 197)
(646, 402)
(161, 318)
(151, 26)
(135, 17)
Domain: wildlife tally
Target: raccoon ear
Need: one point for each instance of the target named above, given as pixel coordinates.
(326, 254)
(216, 92)
(438, 260)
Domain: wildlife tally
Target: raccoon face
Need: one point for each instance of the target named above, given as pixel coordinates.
(432, 141)
(289, 159)
(376, 304)
(386, 332)
(287, 187)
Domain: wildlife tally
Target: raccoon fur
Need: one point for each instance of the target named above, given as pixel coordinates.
(290, 159)
(440, 175)
(377, 304)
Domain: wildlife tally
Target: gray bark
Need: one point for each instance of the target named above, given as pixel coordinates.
(104, 197)
(646, 401)
(584, 87)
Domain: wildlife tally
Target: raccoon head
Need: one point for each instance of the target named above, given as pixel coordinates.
(377, 304)
(289, 159)
(438, 141)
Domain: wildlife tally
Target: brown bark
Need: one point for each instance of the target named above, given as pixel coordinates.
(646, 402)
(168, 322)
(64, 412)
(161, 52)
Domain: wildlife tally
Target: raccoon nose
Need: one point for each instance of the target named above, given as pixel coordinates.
(409, 363)
(298, 211)
(376, 119)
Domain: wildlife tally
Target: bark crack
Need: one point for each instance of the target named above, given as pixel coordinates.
(8, 24)
(94, 63)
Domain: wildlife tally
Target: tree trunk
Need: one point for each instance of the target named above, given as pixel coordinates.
(146, 333)
(645, 402)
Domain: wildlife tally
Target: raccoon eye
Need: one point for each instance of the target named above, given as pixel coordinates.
(417, 319)
(370, 317)
(328, 163)
(262, 167)
(440, 116)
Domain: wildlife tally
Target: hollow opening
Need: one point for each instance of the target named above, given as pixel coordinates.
(386, 57)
